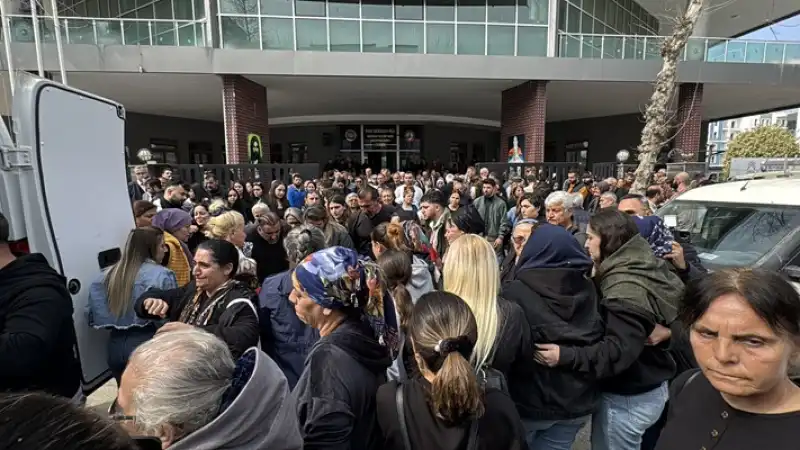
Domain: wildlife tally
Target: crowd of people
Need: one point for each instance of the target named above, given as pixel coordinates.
(405, 311)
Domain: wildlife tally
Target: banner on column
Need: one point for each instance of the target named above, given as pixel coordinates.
(255, 148)
(516, 149)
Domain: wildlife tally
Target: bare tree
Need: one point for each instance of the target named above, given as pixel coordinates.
(655, 133)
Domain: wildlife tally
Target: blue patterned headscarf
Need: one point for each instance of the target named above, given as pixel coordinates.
(335, 279)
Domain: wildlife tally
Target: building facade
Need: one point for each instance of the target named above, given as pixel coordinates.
(392, 81)
(720, 133)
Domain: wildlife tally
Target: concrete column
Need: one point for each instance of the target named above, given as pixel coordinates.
(523, 113)
(689, 120)
(552, 28)
(245, 112)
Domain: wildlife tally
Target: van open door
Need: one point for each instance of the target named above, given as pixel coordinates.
(74, 194)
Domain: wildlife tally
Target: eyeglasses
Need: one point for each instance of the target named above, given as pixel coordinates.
(518, 239)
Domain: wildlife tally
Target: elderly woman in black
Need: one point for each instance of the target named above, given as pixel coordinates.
(334, 400)
(744, 327)
(213, 300)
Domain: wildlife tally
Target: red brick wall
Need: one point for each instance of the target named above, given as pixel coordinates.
(245, 108)
(689, 119)
(523, 112)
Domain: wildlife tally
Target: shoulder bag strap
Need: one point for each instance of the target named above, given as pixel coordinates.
(252, 307)
(472, 443)
(401, 416)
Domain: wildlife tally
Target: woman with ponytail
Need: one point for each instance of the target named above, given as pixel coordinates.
(446, 408)
(392, 236)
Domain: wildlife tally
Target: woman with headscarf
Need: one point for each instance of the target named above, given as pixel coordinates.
(551, 284)
(176, 225)
(334, 400)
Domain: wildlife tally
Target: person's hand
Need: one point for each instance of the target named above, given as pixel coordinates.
(395, 219)
(156, 307)
(660, 334)
(174, 326)
(498, 242)
(676, 256)
(193, 229)
(547, 354)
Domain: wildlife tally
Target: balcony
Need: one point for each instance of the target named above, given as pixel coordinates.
(600, 46)
(111, 31)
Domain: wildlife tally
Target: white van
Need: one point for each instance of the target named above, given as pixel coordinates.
(744, 223)
(63, 189)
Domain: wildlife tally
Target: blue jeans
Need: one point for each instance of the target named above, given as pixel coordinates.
(552, 434)
(122, 343)
(621, 420)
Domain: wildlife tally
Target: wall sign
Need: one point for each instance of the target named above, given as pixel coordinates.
(516, 149)
(380, 137)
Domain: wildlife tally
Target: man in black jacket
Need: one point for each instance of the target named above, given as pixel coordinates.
(37, 335)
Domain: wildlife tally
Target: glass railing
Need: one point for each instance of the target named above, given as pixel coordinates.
(111, 31)
(604, 46)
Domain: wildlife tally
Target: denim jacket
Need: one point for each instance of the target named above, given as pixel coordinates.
(151, 275)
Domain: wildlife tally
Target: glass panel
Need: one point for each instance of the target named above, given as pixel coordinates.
(408, 10)
(376, 9)
(471, 39)
(441, 38)
(238, 6)
(573, 20)
(533, 11)
(532, 41)
(588, 6)
(135, 33)
(591, 49)
(276, 7)
(345, 36)
(81, 31)
(312, 35)
(612, 47)
(377, 37)
(199, 9)
(792, 54)
(500, 40)
(409, 37)
(440, 10)
(573, 47)
(108, 32)
(164, 33)
(774, 53)
(240, 32)
(277, 34)
(735, 52)
(311, 8)
(163, 9)
(471, 11)
(586, 23)
(145, 12)
(502, 11)
(755, 52)
(187, 36)
(343, 8)
(183, 9)
(653, 48)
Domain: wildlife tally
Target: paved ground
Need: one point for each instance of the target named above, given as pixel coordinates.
(101, 399)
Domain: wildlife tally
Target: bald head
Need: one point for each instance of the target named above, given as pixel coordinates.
(632, 206)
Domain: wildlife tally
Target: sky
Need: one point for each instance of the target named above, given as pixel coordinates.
(785, 30)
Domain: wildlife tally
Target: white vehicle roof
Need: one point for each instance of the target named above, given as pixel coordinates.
(780, 191)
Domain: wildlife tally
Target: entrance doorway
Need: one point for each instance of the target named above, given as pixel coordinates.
(377, 160)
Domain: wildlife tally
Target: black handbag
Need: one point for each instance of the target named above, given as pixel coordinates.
(472, 443)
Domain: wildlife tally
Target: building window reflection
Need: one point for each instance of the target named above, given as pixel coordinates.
(464, 27)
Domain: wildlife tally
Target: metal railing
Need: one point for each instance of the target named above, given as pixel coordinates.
(112, 31)
(608, 46)
(228, 173)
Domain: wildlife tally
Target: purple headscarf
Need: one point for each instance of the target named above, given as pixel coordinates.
(171, 220)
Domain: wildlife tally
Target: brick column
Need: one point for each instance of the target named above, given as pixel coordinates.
(245, 112)
(689, 120)
(523, 112)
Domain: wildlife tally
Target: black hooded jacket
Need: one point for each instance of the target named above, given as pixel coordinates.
(37, 335)
(335, 397)
(561, 306)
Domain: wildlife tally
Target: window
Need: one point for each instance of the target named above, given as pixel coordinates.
(733, 235)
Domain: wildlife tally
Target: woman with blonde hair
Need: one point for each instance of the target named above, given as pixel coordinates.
(446, 408)
(472, 273)
(229, 226)
(113, 293)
